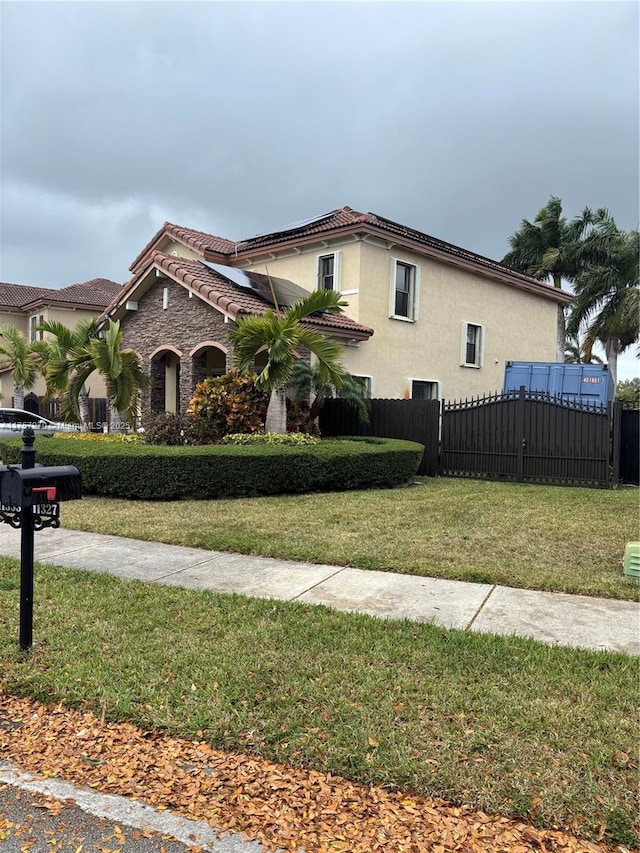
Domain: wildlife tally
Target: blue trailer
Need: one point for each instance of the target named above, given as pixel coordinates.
(580, 383)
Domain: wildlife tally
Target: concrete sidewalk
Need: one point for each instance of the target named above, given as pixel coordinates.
(553, 618)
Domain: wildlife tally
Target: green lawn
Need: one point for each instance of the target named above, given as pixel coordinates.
(538, 537)
(505, 724)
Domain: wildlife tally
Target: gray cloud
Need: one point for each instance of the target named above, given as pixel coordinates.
(458, 119)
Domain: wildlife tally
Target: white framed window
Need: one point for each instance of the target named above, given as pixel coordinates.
(328, 271)
(404, 291)
(472, 345)
(425, 389)
(34, 333)
(367, 382)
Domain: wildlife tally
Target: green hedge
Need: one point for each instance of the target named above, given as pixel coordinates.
(165, 473)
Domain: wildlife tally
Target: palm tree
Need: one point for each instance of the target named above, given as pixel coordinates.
(103, 352)
(574, 352)
(606, 304)
(306, 380)
(22, 358)
(64, 352)
(282, 334)
(549, 248)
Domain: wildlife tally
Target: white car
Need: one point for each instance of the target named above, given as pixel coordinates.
(14, 421)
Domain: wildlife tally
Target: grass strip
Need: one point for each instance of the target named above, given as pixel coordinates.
(534, 537)
(507, 725)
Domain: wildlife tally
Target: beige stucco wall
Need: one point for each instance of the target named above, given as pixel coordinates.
(517, 325)
(69, 317)
(301, 268)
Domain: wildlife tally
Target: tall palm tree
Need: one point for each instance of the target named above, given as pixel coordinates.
(549, 248)
(282, 334)
(65, 350)
(22, 358)
(606, 304)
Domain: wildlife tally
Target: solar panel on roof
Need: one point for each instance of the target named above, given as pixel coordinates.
(293, 225)
(287, 293)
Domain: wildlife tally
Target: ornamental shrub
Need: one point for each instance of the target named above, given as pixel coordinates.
(168, 428)
(226, 404)
(113, 437)
(144, 472)
(292, 438)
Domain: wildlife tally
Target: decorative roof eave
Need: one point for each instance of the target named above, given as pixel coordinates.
(488, 269)
(62, 303)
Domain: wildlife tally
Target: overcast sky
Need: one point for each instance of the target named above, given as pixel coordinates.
(458, 119)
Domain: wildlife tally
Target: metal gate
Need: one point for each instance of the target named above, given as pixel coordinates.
(527, 436)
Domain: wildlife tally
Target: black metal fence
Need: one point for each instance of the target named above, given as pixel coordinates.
(521, 436)
(527, 437)
(630, 446)
(52, 410)
(413, 420)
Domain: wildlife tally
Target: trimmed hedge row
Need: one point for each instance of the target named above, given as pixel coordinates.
(148, 472)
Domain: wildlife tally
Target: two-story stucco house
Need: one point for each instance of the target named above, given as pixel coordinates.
(424, 318)
(26, 307)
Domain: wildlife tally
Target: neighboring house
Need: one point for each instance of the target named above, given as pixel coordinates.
(26, 307)
(444, 320)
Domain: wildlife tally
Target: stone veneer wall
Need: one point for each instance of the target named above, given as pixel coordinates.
(184, 324)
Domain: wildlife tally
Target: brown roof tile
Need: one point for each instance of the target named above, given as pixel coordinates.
(17, 295)
(199, 241)
(96, 293)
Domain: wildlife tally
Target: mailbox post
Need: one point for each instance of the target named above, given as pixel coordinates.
(28, 455)
(30, 498)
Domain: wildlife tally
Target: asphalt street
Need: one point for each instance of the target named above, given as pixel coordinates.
(40, 815)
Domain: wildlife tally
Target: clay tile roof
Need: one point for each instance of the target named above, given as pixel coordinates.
(17, 295)
(218, 290)
(199, 241)
(97, 293)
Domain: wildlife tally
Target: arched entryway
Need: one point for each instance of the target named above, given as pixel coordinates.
(165, 380)
(207, 359)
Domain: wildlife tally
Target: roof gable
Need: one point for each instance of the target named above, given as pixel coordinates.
(223, 294)
(198, 241)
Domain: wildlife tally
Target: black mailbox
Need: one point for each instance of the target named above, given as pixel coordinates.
(39, 486)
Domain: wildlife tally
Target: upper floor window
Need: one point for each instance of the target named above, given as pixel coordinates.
(405, 291)
(34, 333)
(472, 345)
(328, 272)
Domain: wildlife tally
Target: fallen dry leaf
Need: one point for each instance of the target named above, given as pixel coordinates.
(279, 806)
